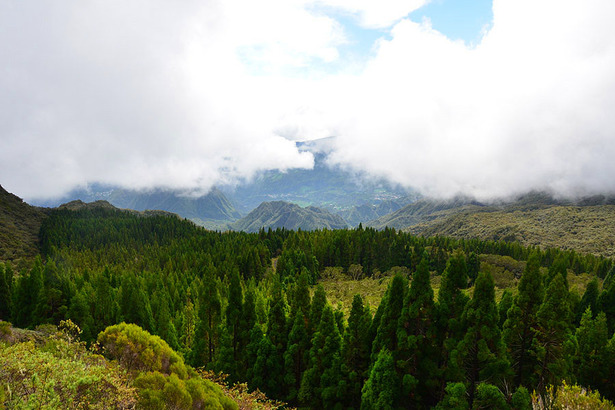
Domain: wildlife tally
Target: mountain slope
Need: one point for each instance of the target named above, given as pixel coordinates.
(588, 229)
(19, 226)
(211, 210)
(421, 211)
(323, 186)
(280, 214)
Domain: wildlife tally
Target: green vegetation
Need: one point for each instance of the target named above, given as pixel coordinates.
(19, 226)
(281, 214)
(162, 297)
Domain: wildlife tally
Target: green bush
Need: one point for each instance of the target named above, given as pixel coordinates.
(137, 349)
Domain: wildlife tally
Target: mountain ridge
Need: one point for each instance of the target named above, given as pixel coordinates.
(281, 214)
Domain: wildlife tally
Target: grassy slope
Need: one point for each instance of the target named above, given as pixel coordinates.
(589, 229)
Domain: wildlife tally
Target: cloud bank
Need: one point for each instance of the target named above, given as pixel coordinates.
(192, 94)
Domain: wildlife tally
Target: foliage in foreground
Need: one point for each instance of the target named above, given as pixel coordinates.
(60, 373)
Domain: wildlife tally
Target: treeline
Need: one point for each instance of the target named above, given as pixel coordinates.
(217, 299)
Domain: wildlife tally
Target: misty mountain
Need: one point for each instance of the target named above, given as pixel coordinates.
(212, 210)
(421, 211)
(280, 214)
(325, 186)
(369, 212)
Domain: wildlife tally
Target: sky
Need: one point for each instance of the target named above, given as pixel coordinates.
(483, 98)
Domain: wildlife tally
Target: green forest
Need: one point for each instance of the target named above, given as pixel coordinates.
(460, 324)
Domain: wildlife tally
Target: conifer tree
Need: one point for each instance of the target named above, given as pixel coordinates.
(268, 369)
(416, 354)
(188, 325)
(606, 303)
(277, 330)
(355, 356)
(319, 300)
(451, 303)
(386, 336)
(589, 300)
(301, 301)
(591, 355)
(296, 356)
(552, 332)
(234, 310)
(381, 388)
(207, 331)
(479, 355)
(28, 294)
(518, 334)
(6, 293)
(505, 304)
(320, 380)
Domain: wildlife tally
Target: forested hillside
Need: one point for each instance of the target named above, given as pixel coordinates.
(19, 226)
(461, 324)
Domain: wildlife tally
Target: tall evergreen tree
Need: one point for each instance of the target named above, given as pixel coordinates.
(6, 292)
(234, 310)
(519, 335)
(319, 384)
(296, 356)
(480, 354)
(382, 388)
(451, 303)
(28, 294)
(386, 336)
(552, 332)
(207, 331)
(416, 353)
(355, 355)
(591, 355)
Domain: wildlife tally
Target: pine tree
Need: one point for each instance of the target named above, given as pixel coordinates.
(518, 334)
(479, 355)
(591, 355)
(381, 389)
(552, 332)
(296, 356)
(386, 336)
(320, 380)
(6, 293)
(504, 306)
(606, 303)
(451, 303)
(416, 353)
(355, 355)
(28, 295)
(188, 326)
(207, 331)
(268, 370)
(234, 310)
(589, 300)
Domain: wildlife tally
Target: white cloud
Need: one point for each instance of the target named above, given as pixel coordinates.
(192, 94)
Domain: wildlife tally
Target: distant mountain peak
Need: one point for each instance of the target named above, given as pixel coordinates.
(281, 214)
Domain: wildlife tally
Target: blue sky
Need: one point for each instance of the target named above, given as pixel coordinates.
(457, 19)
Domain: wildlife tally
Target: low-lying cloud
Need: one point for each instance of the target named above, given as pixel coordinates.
(187, 95)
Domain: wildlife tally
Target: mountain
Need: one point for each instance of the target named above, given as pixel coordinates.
(369, 212)
(585, 224)
(19, 226)
(280, 214)
(325, 186)
(422, 211)
(212, 210)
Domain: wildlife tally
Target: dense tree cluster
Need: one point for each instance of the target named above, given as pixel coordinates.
(218, 300)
